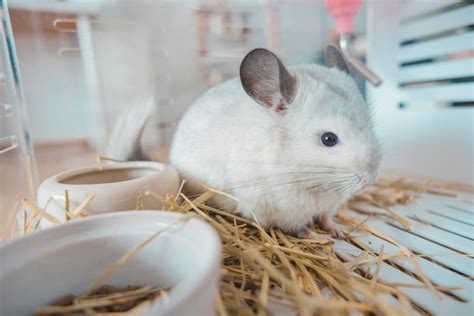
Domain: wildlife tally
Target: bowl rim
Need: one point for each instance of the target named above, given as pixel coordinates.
(158, 166)
(184, 290)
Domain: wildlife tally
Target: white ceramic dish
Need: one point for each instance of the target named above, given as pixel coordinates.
(66, 259)
(115, 187)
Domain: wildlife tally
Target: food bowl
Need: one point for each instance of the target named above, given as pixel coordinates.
(68, 258)
(114, 186)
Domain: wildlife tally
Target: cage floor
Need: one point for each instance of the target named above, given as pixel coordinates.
(442, 237)
(434, 267)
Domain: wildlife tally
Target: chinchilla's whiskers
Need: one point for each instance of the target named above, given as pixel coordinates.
(286, 179)
(347, 189)
(255, 182)
(330, 180)
(321, 180)
(325, 187)
(271, 181)
(309, 167)
(260, 183)
(337, 183)
(276, 186)
(262, 179)
(329, 183)
(341, 186)
(289, 194)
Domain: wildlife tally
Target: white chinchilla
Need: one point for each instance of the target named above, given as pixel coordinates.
(292, 145)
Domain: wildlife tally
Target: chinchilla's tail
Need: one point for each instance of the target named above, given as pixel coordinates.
(124, 142)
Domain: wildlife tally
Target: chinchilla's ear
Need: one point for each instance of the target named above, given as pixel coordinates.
(334, 58)
(266, 80)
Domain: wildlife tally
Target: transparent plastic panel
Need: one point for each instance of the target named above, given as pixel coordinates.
(17, 163)
(84, 62)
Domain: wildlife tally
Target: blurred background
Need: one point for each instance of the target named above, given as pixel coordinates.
(83, 62)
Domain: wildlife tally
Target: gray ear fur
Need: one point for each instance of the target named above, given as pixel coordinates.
(266, 79)
(334, 58)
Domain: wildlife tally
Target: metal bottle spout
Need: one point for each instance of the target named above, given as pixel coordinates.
(345, 43)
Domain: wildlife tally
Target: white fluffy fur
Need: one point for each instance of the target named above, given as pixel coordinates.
(124, 140)
(274, 163)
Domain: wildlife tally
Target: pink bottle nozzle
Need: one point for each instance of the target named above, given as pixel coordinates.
(343, 11)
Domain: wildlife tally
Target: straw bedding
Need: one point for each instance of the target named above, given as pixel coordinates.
(264, 271)
(106, 300)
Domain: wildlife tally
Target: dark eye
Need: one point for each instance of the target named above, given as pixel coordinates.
(329, 139)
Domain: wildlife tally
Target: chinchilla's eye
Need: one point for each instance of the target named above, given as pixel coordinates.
(329, 139)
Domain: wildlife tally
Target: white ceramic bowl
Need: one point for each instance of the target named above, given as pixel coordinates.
(115, 186)
(66, 259)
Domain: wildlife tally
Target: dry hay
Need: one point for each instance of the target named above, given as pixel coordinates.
(263, 270)
(106, 300)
